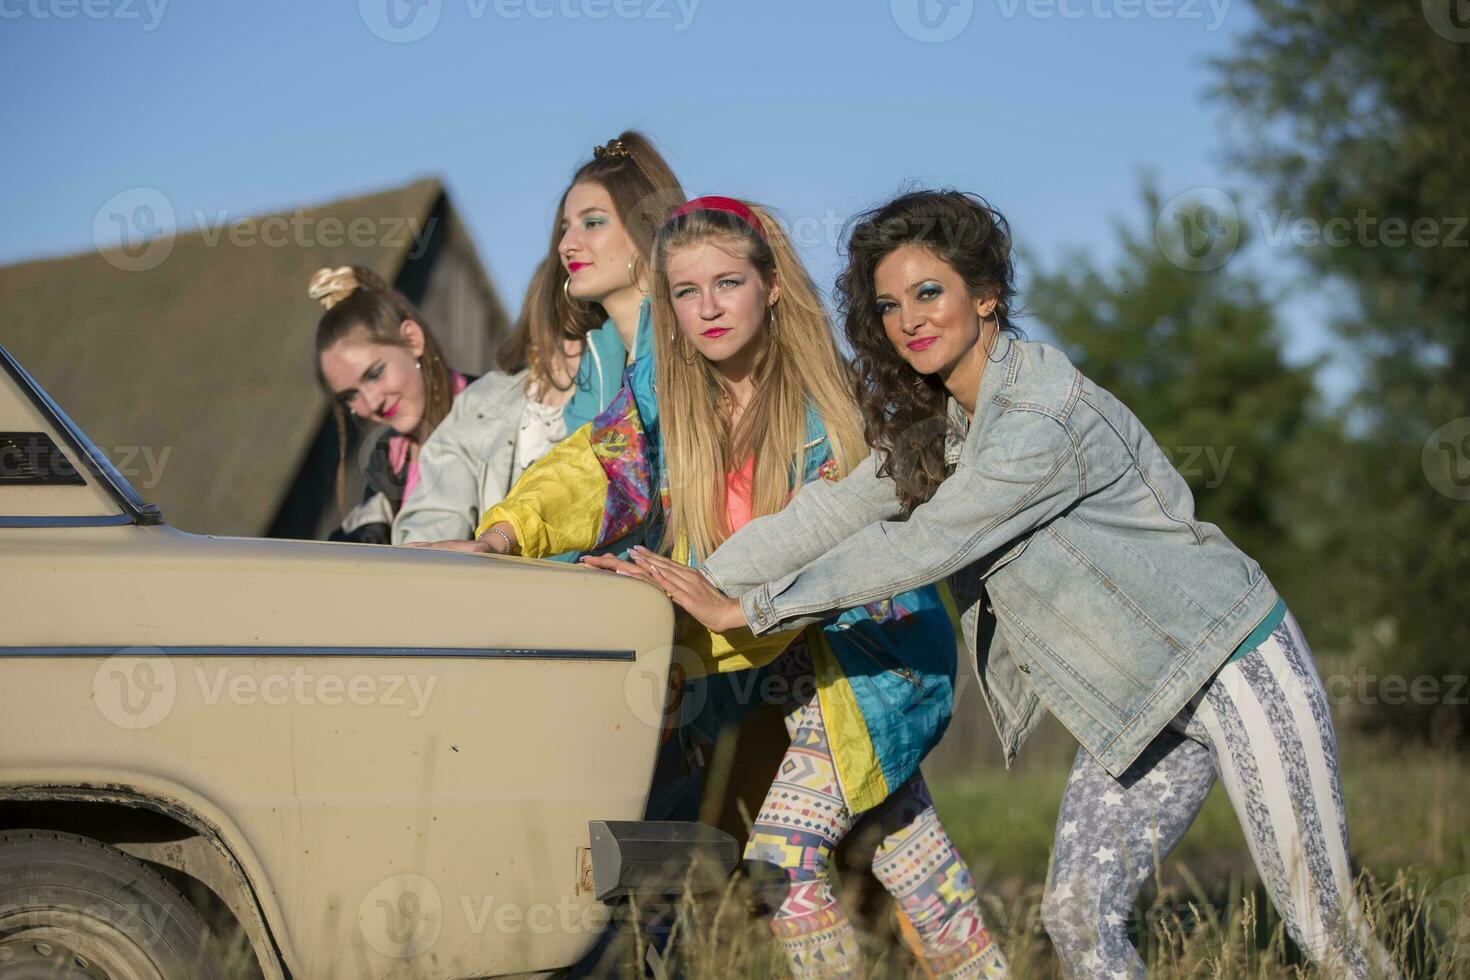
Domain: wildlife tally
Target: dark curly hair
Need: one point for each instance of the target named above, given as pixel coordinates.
(903, 410)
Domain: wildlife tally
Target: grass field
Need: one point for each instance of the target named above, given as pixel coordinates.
(1408, 807)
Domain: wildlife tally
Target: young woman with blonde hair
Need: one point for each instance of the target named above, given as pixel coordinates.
(752, 403)
(1091, 590)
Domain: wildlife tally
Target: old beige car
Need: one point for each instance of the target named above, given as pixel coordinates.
(200, 729)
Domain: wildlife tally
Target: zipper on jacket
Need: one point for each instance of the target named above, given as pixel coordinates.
(862, 644)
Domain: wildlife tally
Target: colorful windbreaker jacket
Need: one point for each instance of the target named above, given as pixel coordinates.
(885, 672)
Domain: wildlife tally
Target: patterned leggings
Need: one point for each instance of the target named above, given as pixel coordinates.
(1261, 726)
(803, 818)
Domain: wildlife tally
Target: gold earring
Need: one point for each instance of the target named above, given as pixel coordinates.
(573, 303)
(633, 274)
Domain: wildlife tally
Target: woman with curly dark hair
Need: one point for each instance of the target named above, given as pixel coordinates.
(1087, 587)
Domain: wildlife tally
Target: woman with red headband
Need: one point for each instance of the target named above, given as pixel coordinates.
(752, 403)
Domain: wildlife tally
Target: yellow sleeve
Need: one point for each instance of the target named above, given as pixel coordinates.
(737, 649)
(557, 504)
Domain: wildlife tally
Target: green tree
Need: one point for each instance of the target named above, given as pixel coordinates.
(1198, 357)
(1356, 112)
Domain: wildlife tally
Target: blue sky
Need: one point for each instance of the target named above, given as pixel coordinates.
(1053, 109)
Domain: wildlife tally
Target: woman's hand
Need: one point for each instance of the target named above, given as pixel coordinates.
(691, 591)
(612, 563)
(497, 540)
(474, 547)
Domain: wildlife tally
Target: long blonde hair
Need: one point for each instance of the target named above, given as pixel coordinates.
(798, 365)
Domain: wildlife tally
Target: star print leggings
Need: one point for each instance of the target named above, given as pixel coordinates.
(800, 823)
(1262, 727)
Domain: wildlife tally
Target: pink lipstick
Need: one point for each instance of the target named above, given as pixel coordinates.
(923, 343)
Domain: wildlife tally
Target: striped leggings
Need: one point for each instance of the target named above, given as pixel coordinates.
(803, 818)
(1262, 727)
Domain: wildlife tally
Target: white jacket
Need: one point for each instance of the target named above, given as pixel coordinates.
(468, 464)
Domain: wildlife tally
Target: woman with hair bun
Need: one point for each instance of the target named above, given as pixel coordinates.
(744, 400)
(380, 363)
(1090, 590)
(583, 320)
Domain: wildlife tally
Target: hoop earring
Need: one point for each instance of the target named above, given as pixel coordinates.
(674, 339)
(633, 275)
(995, 337)
(575, 304)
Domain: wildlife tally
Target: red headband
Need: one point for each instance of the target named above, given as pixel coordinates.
(727, 204)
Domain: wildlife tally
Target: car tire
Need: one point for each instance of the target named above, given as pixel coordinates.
(74, 908)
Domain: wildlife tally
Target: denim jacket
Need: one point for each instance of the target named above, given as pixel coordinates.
(1064, 523)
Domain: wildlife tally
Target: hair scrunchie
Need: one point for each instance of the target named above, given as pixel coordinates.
(331, 286)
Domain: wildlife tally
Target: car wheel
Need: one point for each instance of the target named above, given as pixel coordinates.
(72, 908)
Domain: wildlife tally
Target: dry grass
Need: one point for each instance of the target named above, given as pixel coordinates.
(1409, 810)
(1180, 935)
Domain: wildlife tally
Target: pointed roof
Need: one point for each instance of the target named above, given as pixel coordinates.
(197, 376)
